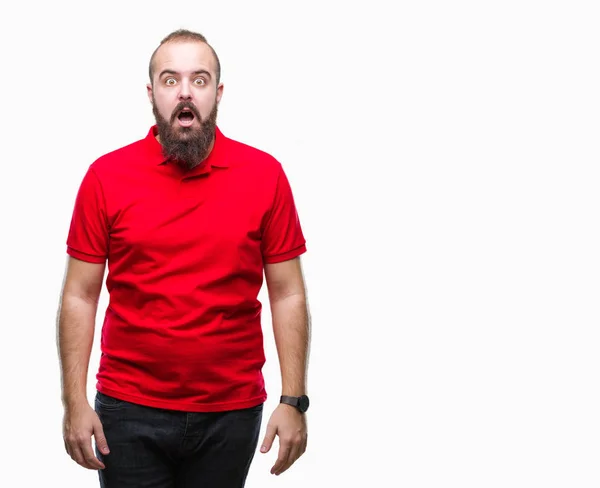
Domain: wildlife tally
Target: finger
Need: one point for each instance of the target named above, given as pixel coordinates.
(291, 459)
(76, 454)
(298, 449)
(282, 457)
(90, 461)
(269, 438)
(100, 438)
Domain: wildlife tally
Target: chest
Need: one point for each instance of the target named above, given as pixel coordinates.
(212, 217)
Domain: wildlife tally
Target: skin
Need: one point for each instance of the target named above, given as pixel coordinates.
(192, 79)
(291, 329)
(76, 323)
(184, 72)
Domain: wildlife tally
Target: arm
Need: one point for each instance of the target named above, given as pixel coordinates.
(75, 327)
(291, 328)
(291, 323)
(75, 334)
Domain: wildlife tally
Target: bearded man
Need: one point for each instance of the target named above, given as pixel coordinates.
(186, 221)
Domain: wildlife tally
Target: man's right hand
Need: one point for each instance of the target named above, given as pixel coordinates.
(80, 423)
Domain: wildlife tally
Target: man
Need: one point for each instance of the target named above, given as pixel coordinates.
(187, 221)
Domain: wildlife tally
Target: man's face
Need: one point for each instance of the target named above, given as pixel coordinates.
(184, 99)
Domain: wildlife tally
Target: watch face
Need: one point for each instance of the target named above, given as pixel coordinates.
(303, 403)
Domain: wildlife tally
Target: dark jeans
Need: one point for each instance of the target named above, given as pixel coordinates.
(156, 448)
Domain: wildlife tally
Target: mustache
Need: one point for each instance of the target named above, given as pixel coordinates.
(189, 105)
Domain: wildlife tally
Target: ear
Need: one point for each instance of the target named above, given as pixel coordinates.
(149, 88)
(219, 92)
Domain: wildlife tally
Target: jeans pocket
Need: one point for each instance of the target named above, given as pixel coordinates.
(256, 409)
(107, 402)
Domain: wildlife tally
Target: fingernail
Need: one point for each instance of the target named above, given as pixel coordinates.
(105, 450)
(263, 449)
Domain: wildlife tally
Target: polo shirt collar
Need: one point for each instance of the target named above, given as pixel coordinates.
(216, 158)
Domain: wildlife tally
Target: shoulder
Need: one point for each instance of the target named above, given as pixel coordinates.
(246, 156)
(117, 159)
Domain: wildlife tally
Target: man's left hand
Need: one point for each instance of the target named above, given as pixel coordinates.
(290, 425)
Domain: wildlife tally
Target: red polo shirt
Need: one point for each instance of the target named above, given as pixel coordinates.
(185, 254)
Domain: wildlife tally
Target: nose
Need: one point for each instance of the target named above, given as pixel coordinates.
(185, 93)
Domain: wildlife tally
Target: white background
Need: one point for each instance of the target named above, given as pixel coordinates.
(444, 158)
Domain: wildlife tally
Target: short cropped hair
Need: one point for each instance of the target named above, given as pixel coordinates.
(184, 35)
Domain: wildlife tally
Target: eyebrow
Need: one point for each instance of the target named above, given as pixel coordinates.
(171, 72)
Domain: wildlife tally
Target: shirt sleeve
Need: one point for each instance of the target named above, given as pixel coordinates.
(282, 237)
(88, 233)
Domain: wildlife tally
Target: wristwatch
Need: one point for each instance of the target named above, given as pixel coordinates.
(301, 402)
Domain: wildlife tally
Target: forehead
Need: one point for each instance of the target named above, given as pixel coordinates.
(184, 56)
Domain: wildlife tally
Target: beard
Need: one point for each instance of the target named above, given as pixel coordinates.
(187, 146)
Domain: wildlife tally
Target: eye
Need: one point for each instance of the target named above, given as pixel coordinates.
(170, 81)
(200, 81)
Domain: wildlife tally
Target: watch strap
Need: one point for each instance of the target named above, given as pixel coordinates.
(289, 400)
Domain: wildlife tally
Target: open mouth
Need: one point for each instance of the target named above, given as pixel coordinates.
(186, 117)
